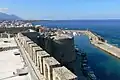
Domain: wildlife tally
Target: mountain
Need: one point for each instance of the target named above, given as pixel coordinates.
(4, 16)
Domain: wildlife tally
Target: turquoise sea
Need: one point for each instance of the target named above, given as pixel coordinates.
(105, 66)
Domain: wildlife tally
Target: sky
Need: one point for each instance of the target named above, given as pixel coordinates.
(62, 9)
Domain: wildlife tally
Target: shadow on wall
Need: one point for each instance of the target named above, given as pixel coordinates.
(33, 36)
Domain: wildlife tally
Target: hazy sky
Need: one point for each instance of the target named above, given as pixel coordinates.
(62, 9)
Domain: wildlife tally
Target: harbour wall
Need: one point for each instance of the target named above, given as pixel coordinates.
(44, 65)
(96, 41)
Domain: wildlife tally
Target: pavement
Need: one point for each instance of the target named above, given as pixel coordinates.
(10, 62)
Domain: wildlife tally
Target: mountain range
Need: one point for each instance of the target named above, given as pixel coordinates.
(5, 16)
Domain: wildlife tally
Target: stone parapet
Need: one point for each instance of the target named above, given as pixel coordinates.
(35, 50)
(40, 56)
(62, 73)
(31, 49)
(48, 64)
(28, 44)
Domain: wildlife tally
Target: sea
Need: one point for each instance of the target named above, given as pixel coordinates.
(105, 66)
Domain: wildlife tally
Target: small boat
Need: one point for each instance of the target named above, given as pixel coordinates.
(84, 61)
(92, 75)
(89, 73)
(83, 54)
(84, 65)
(85, 68)
(76, 49)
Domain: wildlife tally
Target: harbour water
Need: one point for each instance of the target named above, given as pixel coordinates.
(105, 66)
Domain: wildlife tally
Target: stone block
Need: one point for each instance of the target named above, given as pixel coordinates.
(40, 56)
(26, 40)
(62, 73)
(48, 64)
(21, 39)
(28, 46)
(31, 49)
(19, 35)
(35, 50)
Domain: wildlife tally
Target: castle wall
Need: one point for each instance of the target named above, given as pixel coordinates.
(32, 35)
(63, 50)
(13, 30)
(48, 45)
(45, 65)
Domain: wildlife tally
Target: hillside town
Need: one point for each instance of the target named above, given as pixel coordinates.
(14, 23)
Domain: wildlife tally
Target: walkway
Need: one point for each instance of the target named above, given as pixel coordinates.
(10, 62)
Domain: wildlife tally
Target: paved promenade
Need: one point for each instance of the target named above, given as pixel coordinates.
(10, 62)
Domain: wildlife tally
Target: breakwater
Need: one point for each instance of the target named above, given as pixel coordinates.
(115, 51)
(97, 41)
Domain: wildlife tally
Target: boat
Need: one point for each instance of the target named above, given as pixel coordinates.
(85, 68)
(84, 61)
(76, 49)
(92, 75)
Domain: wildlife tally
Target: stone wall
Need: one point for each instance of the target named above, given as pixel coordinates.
(13, 30)
(5, 35)
(46, 65)
(32, 36)
(63, 50)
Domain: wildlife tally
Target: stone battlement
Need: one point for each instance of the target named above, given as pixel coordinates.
(46, 65)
